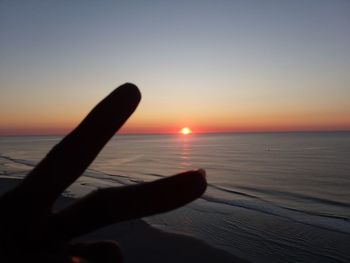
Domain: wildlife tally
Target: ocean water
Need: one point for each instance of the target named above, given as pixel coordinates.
(283, 197)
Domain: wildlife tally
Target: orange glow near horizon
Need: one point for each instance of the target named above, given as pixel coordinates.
(148, 120)
(163, 127)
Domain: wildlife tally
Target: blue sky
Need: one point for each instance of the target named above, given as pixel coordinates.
(212, 65)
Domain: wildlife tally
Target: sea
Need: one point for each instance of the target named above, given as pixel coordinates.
(271, 197)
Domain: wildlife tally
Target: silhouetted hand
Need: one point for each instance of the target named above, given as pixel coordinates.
(31, 232)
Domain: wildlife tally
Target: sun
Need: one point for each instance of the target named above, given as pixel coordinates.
(185, 131)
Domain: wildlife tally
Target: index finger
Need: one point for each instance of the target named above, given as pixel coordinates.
(69, 159)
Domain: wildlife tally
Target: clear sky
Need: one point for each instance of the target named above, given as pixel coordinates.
(211, 65)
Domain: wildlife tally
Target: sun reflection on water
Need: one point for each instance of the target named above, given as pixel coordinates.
(185, 155)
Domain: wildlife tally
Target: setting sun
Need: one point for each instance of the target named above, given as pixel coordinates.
(185, 131)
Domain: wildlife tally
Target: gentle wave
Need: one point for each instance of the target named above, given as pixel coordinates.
(18, 161)
(279, 193)
(297, 196)
(337, 224)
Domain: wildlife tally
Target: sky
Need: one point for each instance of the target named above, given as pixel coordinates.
(214, 66)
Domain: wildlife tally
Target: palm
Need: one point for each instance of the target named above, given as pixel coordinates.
(31, 231)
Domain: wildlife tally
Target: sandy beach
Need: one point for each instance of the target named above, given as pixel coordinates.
(141, 242)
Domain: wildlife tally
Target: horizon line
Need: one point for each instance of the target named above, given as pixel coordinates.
(194, 133)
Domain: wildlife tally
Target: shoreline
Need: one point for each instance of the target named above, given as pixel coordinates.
(140, 241)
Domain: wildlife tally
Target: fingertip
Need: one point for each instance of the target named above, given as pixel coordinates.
(196, 180)
(201, 180)
(131, 90)
(202, 172)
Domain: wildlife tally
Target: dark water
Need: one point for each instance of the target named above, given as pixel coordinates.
(275, 196)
